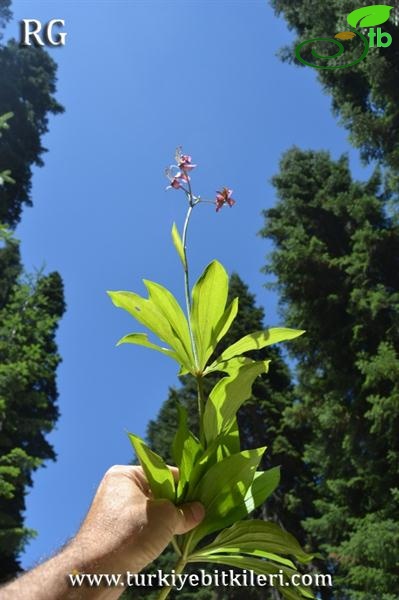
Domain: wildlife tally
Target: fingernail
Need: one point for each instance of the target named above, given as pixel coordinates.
(198, 511)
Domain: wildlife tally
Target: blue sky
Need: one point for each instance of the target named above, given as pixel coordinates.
(138, 78)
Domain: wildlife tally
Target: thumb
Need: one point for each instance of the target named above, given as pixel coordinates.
(189, 516)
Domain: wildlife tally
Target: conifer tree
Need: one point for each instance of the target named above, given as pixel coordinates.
(27, 87)
(364, 96)
(336, 263)
(30, 307)
(29, 312)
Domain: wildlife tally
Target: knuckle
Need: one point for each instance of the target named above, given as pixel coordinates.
(115, 470)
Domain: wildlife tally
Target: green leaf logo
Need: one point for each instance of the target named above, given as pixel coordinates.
(369, 16)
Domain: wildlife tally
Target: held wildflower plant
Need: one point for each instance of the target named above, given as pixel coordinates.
(212, 467)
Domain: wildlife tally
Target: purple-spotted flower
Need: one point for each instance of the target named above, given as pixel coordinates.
(183, 161)
(224, 197)
(176, 178)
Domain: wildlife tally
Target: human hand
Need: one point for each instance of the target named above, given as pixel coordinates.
(125, 528)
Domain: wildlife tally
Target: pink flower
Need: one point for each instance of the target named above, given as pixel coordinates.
(176, 178)
(183, 160)
(175, 183)
(185, 163)
(224, 197)
(183, 176)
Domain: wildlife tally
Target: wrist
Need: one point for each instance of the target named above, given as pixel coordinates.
(88, 555)
(78, 558)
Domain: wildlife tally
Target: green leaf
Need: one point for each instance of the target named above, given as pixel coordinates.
(167, 304)
(264, 484)
(158, 474)
(261, 567)
(181, 435)
(185, 450)
(222, 326)
(177, 241)
(141, 339)
(209, 298)
(228, 395)
(149, 315)
(297, 593)
(230, 366)
(202, 464)
(229, 441)
(222, 488)
(256, 537)
(258, 340)
(237, 549)
(223, 446)
(369, 16)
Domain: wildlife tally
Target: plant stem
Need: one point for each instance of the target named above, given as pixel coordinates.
(175, 546)
(178, 569)
(201, 406)
(187, 281)
(187, 543)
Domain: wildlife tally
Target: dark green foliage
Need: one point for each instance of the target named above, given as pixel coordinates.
(27, 86)
(29, 313)
(261, 422)
(5, 14)
(337, 265)
(10, 266)
(30, 307)
(365, 96)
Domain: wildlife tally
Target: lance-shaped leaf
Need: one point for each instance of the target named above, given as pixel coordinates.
(178, 243)
(275, 558)
(208, 303)
(167, 304)
(258, 538)
(158, 474)
(257, 341)
(264, 482)
(222, 327)
(229, 441)
(223, 446)
(369, 16)
(291, 593)
(261, 567)
(203, 463)
(141, 339)
(148, 314)
(263, 485)
(228, 395)
(185, 450)
(222, 488)
(230, 366)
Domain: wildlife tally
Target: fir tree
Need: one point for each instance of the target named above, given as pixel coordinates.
(366, 95)
(27, 87)
(5, 14)
(29, 313)
(336, 262)
(30, 307)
